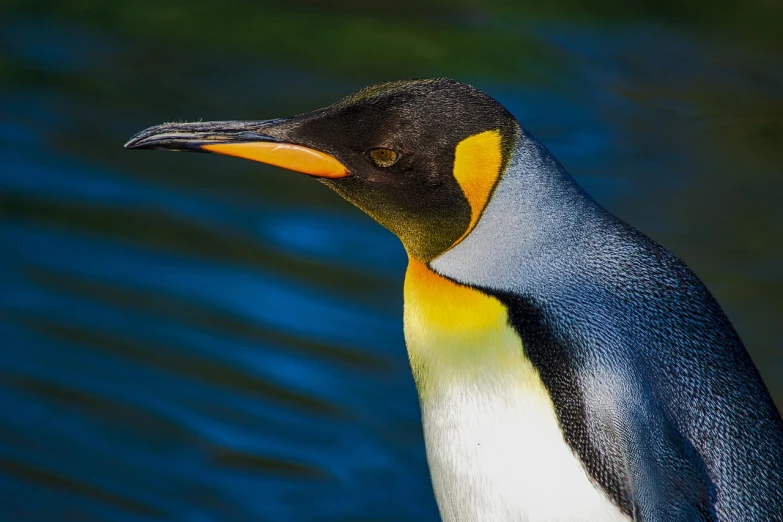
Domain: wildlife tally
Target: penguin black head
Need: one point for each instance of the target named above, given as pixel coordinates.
(420, 156)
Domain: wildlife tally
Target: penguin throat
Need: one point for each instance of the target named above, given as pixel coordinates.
(454, 333)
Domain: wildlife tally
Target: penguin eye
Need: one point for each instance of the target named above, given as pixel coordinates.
(383, 157)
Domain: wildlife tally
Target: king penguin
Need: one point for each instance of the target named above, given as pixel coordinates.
(568, 367)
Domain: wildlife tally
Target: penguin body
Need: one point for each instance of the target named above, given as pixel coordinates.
(494, 446)
(568, 367)
(653, 388)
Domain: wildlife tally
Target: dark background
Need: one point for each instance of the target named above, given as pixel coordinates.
(199, 338)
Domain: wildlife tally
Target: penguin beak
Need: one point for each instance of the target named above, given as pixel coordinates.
(253, 140)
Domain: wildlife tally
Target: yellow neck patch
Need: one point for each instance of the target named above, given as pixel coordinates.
(477, 163)
(446, 306)
(454, 332)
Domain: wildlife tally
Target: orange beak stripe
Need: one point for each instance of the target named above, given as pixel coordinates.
(285, 155)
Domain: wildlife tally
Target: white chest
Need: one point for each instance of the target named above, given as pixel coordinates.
(497, 454)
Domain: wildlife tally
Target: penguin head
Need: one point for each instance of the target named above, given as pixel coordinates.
(421, 156)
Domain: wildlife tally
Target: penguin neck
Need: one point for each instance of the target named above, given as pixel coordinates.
(456, 335)
(537, 219)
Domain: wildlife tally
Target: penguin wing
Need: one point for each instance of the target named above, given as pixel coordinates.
(611, 418)
(656, 472)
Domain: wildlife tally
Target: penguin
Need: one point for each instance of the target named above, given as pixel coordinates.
(568, 367)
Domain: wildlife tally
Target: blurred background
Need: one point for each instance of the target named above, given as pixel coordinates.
(199, 338)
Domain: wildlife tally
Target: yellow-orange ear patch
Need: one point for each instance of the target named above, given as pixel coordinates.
(477, 162)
